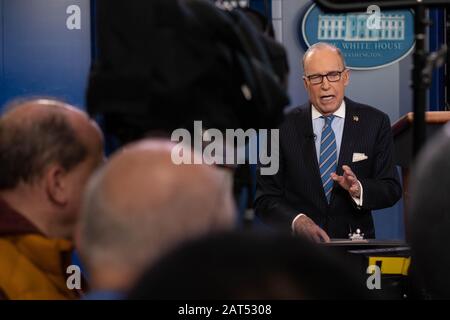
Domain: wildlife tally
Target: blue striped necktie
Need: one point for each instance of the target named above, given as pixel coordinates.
(328, 156)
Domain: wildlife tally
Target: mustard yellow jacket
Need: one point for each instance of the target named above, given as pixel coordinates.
(32, 266)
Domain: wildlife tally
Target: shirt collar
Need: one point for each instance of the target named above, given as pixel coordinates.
(340, 112)
(14, 223)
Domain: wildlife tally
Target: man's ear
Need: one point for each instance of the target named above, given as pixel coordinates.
(346, 77)
(305, 83)
(56, 185)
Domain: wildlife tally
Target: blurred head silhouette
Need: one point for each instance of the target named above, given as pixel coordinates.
(250, 266)
(140, 205)
(429, 220)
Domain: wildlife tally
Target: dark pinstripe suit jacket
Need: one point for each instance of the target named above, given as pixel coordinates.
(297, 187)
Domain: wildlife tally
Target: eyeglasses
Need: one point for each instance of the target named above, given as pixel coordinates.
(332, 76)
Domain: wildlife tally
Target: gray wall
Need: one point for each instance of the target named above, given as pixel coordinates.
(387, 89)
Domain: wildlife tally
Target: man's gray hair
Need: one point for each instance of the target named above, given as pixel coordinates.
(102, 228)
(322, 45)
(27, 147)
(140, 235)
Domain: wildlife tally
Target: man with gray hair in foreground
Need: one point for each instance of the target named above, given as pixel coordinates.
(140, 206)
(48, 150)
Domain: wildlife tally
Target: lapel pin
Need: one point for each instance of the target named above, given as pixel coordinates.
(355, 118)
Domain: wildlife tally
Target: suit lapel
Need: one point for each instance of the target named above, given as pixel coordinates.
(351, 130)
(306, 136)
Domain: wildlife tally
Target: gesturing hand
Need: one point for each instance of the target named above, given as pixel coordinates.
(348, 181)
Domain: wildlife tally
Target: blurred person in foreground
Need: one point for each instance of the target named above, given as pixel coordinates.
(48, 150)
(429, 221)
(140, 206)
(251, 266)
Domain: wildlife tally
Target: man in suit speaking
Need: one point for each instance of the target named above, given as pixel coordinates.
(335, 156)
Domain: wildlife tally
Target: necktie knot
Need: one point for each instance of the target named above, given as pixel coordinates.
(329, 119)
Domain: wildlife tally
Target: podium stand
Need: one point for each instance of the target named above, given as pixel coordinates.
(403, 145)
(392, 257)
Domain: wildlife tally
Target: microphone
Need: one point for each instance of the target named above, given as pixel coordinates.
(311, 136)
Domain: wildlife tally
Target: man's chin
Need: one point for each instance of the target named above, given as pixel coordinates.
(328, 108)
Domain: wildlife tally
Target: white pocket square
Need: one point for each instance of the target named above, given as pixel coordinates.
(359, 157)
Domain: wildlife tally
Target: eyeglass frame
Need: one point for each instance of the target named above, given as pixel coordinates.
(325, 75)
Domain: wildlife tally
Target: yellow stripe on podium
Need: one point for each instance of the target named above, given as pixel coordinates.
(391, 265)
